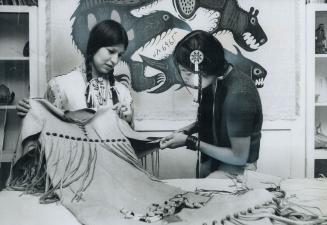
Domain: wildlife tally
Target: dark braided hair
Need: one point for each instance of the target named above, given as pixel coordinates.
(213, 64)
(106, 33)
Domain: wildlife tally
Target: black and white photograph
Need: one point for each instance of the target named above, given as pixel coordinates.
(163, 112)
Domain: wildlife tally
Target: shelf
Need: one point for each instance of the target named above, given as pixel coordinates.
(321, 55)
(14, 58)
(320, 154)
(14, 34)
(321, 104)
(16, 8)
(316, 2)
(14, 74)
(316, 84)
(7, 107)
(18, 72)
(7, 155)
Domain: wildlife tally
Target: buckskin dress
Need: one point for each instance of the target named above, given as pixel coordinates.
(86, 160)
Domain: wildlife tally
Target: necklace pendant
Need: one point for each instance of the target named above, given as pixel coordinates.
(195, 102)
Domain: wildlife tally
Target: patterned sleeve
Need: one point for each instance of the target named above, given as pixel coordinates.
(54, 95)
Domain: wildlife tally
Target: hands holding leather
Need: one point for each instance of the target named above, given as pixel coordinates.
(174, 140)
(22, 107)
(124, 111)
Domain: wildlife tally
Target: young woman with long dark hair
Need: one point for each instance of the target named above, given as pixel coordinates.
(229, 115)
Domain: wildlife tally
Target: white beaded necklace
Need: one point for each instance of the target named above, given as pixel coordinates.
(98, 92)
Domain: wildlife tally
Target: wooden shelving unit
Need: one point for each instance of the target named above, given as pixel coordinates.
(18, 69)
(316, 114)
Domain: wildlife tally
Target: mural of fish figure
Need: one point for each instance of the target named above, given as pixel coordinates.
(243, 25)
(247, 66)
(167, 67)
(171, 78)
(150, 29)
(89, 12)
(155, 30)
(157, 40)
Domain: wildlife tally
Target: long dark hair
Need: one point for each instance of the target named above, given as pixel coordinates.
(214, 62)
(106, 33)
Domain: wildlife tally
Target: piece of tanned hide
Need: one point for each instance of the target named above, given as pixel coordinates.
(92, 167)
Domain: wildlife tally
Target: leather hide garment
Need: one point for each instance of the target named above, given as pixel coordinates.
(92, 167)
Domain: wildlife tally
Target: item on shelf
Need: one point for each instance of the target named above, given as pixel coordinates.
(320, 138)
(3, 120)
(32, 2)
(26, 50)
(320, 141)
(316, 1)
(6, 2)
(320, 36)
(6, 97)
(28, 2)
(321, 89)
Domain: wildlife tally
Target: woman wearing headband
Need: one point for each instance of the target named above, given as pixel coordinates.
(229, 117)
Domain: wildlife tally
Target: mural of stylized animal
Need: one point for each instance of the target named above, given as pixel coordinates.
(244, 26)
(153, 31)
(247, 66)
(101, 10)
(166, 66)
(146, 31)
(149, 31)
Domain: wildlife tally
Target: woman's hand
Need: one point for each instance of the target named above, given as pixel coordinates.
(189, 129)
(23, 107)
(173, 140)
(124, 111)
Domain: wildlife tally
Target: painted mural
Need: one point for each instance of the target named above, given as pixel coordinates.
(154, 28)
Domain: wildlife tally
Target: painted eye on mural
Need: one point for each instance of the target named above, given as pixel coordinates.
(253, 20)
(165, 17)
(257, 71)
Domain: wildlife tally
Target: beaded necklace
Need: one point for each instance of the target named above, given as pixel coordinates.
(97, 92)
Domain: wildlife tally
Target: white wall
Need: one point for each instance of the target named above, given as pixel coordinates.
(63, 55)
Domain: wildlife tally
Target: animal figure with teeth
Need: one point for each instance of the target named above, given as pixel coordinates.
(244, 25)
(171, 78)
(154, 28)
(168, 72)
(247, 66)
